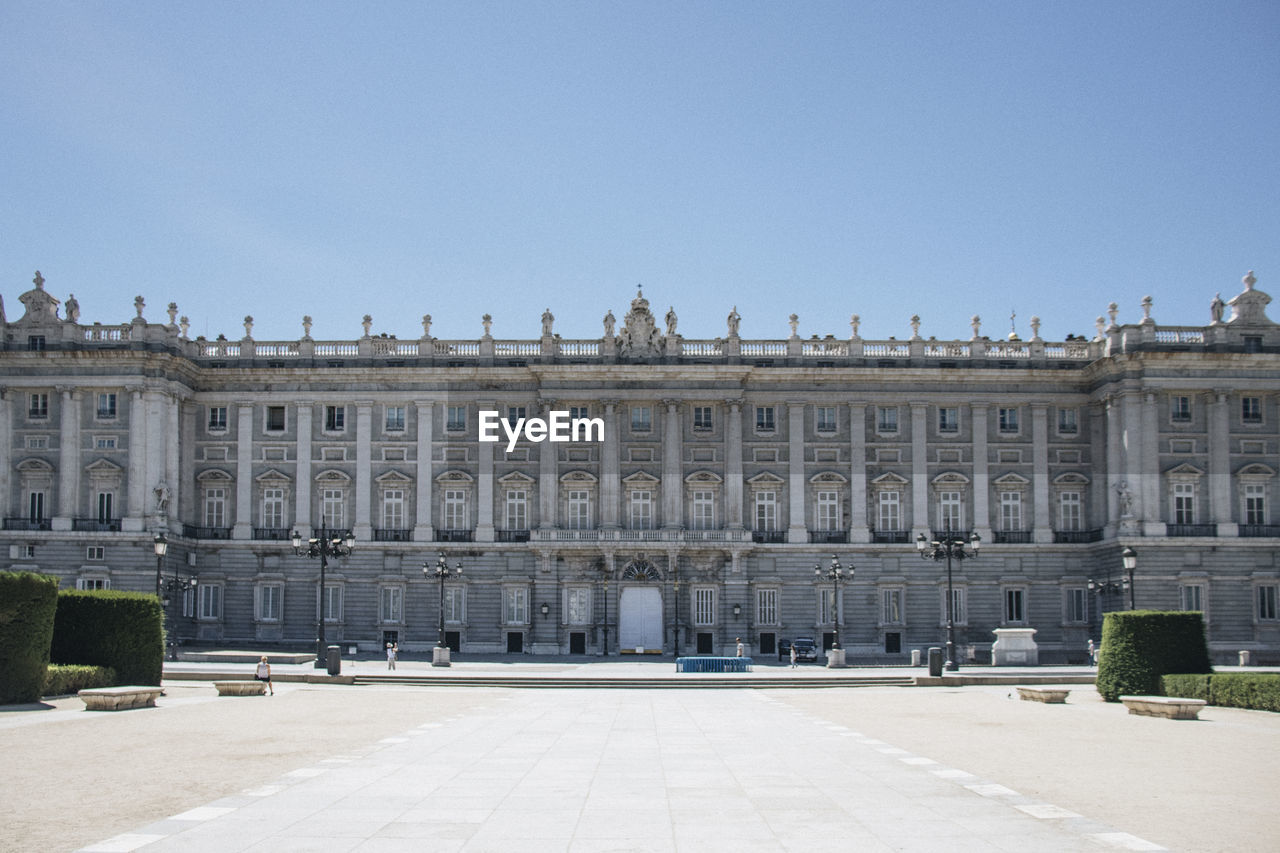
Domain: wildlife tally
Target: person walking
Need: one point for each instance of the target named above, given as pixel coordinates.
(741, 648)
(793, 655)
(263, 674)
(391, 655)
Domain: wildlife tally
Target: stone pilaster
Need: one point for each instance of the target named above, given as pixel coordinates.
(858, 529)
(135, 521)
(919, 471)
(305, 488)
(484, 487)
(979, 422)
(610, 478)
(1220, 465)
(243, 528)
(1149, 460)
(1042, 530)
(423, 530)
(733, 465)
(6, 450)
(797, 530)
(363, 528)
(672, 469)
(68, 459)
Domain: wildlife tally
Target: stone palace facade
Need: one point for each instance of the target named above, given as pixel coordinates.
(727, 471)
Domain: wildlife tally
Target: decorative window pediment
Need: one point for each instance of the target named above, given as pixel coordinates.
(704, 478)
(272, 477)
(580, 477)
(516, 480)
(640, 480)
(1256, 471)
(889, 480)
(212, 476)
(35, 466)
(951, 478)
(457, 477)
(1011, 480)
(1185, 471)
(1071, 478)
(103, 468)
(333, 476)
(830, 478)
(393, 479)
(765, 480)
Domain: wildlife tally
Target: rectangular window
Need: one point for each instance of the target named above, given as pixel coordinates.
(37, 442)
(393, 509)
(105, 442)
(218, 419)
(826, 606)
(1251, 410)
(38, 407)
(1008, 420)
(948, 419)
(394, 419)
(891, 606)
(106, 406)
(765, 419)
(455, 509)
(828, 517)
(1015, 605)
(641, 418)
(1191, 596)
(35, 506)
(702, 418)
(641, 510)
(1267, 602)
(1070, 514)
(704, 510)
(391, 608)
(957, 605)
(95, 552)
(275, 418)
(93, 583)
(333, 603)
(824, 418)
(949, 511)
(273, 508)
(515, 609)
(1255, 503)
(1179, 409)
(335, 418)
(1184, 503)
(456, 418)
(578, 609)
(215, 507)
(889, 512)
(1067, 423)
(105, 506)
(455, 601)
(887, 419)
(704, 606)
(767, 607)
(1010, 511)
(579, 510)
(210, 604)
(515, 414)
(766, 511)
(333, 508)
(576, 412)
(269, 602)
(1076, 604)
(35, 343)
(517, 515)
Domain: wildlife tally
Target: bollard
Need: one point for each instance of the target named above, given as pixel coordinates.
(935, 662)
(915, 657)
(1244, 657)
(335, 660)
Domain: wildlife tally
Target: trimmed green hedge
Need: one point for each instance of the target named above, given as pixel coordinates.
(1139, 646)
(106, 627)
(65, 679)
(27, 604)
(1185, 686)
(1256, 691)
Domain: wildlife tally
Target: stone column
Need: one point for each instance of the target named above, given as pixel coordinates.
(920, 471)
(172, 461)
(797, 528)
(672, 481)
(158, 439)
(1042, 530)
(363, 528)
(69, 459)
(1131, 452)
(183, 488)
(6, 450)
(304, 488)
(423, 531)
(859, 531)
(1113, 416)
(733, 466)
(981, 471)
(135, 521)
(548, 476)
(1150, 467)
(610, 478)
(484, 487)
(1220, 465)
(243, 528)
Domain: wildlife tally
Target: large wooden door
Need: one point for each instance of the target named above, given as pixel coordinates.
(640, 619)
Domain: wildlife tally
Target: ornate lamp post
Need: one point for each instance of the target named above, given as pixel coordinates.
(326, 544)
(1130, 560)
(167, 589)
(604, 574)
(441, 572)
(949, 548)
(675, 574)
(836, 574)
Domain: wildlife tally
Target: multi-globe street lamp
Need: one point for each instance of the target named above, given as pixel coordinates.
(167, 589)
(441, 572)
(326, 544)
(949, 548)
(837, 574)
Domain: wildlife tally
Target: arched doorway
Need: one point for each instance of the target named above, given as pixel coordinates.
(640, 619)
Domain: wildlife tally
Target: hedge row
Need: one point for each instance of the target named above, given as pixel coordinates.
(1257, 691)
(1139, 646)
(65, 679)
(27, 604)
(111, 628)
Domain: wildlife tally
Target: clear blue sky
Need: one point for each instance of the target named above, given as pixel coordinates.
(337, 159)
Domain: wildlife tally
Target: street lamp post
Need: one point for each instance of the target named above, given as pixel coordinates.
(949, 548)
(161, 546)
(675, 574)
(167, 589)
(328, 543)
(1130, 560)
(604, 573)
(836, 574)
(441, 572)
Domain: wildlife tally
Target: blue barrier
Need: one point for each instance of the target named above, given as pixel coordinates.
(710, 664)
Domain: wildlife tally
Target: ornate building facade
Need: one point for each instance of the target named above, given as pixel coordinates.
(728, 471)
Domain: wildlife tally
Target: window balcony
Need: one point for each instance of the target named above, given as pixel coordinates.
(513, 535)
(455, 535)
(769, 537)
(1191, 529)
(829, 537)
(1075, 537)
(1012, 537)
(890, 537)
(195, 532)
(28, 524)
(392, 534)
(271, 534)
(96, 525)
(956, 535)
(1254, 530)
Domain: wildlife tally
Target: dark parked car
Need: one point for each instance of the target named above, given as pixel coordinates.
(806, 649)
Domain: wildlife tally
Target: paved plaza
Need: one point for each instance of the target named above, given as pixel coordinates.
(424, 768)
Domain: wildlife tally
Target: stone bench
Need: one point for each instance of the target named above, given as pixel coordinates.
(1164, 706)
(1048, 695)
(241, 688)
(119, 698)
